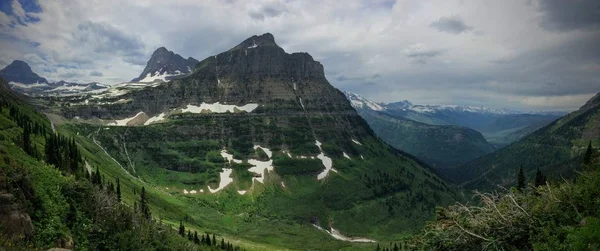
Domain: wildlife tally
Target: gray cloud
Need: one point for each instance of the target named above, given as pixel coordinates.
(96, 74)
(267, 11)
(561, 15)
(105, 38)
(393, 44)
(453, 25)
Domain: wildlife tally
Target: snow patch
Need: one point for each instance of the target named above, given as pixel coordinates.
(295, 86)
(123, 122)
(229, 157)
(225, 180)
(242, 192)
(218, 108)
(326, 162)
(253, 45)
(302, 104)
(259, 168)
(283, 184)
(267, 151)
(338, 236)
(157, 118)
(346, 156)
(356, 142)
(193, 192)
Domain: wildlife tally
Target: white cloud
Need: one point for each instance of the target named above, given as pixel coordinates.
(17, 10)
(355, 41)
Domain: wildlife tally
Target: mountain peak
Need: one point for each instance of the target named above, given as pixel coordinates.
(19, 71)
(266, 39)
(164, 64)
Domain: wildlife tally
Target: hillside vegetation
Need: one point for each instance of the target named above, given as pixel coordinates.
(49, 199)
(550, 216)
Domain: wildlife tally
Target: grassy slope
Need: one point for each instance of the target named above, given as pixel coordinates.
(271, 215)
(48, 193)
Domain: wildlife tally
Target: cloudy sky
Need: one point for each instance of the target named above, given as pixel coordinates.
(520, 54)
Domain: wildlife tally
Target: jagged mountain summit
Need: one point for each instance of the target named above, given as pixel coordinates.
(499, 126)
(20, 72)
(259, 136)
(164, 65)
(441, 146)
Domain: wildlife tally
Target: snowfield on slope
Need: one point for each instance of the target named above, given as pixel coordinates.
(123, 122)
(326, 162)
(225, 179)
(218, 108)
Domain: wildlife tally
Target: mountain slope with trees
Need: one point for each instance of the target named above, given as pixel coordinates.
(557, 150)
(438, 146)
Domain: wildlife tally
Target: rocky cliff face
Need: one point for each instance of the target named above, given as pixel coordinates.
(15, 223)
(20, 72)
(290, 88)
(165, 63)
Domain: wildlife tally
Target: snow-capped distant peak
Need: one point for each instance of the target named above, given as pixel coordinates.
(359, 102)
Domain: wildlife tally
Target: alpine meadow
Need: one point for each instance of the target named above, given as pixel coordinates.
(236, 125)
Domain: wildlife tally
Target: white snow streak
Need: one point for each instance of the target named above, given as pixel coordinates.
(356, 142)
(338, 236)
(229, 157)
(225, 180)
(346, 156)
(326, 162)
(242, 192)
(159, 117)
(123, 122)
(267, 151)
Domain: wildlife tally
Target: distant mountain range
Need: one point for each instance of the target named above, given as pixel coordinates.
(499, 126)
(556, 149)
(441, 146)
(22, 79)
(163, 66)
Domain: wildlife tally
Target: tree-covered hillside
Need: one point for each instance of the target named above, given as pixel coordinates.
(50, 198)
(556, 149)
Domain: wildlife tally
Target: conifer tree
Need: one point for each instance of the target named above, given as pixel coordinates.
(521, 180)
(203, 240)
(540, 179)
(222, 243)
(118, 190)
(214, 240)
(111, 188)
(208, 242)
(189, 235)
(181, 228)
(588, 154)
(196, 240)
(144, 207)
(27, 139)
